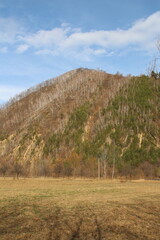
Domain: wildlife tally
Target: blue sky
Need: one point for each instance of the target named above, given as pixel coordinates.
(41, 39)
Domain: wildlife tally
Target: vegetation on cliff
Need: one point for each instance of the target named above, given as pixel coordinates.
(87, 124)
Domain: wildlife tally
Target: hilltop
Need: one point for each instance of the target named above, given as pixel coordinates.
(83, 123)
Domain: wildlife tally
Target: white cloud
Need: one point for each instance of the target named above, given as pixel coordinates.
(9, 29)
(65, 39)
(22, 48)
(68, 41)
(47, 51)
(7, 92)
(46, 38)
(142, 34)
(87, 54)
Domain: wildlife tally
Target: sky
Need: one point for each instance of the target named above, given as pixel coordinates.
(41, 39)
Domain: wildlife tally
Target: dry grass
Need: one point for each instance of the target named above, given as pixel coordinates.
(70, 209)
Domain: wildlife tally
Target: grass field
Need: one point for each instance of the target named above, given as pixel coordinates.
(86, 209)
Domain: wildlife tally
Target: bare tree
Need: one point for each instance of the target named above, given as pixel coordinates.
(99, 168)
(158, 45)
(154, 64)
(18, 169)
(3, 167)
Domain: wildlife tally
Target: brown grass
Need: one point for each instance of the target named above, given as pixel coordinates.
(70, 209)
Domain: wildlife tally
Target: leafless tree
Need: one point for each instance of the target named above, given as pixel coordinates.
(3, 166)
(154, 64)
(17, 169)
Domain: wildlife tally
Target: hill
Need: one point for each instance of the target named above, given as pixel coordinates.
(83, 123)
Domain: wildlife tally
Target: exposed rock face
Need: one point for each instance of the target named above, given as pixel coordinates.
(3, 147)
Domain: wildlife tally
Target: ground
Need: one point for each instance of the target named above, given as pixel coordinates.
(85, 209)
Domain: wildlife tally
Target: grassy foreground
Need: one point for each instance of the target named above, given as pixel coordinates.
(70, 209)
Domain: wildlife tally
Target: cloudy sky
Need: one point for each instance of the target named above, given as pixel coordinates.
(41, 39)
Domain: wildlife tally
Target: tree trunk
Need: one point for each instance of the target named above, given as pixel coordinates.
(113, 169)
(99, 169)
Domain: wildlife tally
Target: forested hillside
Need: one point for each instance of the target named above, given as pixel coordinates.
(83, 123)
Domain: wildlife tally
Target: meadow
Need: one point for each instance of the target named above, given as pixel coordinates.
(85, 209)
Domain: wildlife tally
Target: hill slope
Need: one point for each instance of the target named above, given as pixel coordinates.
(84, 123)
